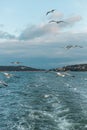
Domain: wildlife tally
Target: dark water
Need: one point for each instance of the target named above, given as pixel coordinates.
(42, 101)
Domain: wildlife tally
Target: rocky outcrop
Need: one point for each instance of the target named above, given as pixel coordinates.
(77, 67)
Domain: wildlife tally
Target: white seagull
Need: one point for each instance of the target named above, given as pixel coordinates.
(64, 74)
(8, 75)
(60, 74)
(16, 62)
(3, 83)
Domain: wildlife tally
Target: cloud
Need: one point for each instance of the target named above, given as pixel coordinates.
(53, 46)
(47, 51)
(44, 32)
(36, 31)
(48, 29)
(74, 19)
(6, 35)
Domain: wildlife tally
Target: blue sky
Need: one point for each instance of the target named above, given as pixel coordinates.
(26, 34)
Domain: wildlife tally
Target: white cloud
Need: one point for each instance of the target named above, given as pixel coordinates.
(45, 40)
(74, 19)
(43, 31)
(48, 29)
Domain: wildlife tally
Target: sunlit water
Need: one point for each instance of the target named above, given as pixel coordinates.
(44, 101)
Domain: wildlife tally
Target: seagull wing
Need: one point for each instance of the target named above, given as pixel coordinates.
(47, 12)
(52, 21)
(51, 11)
(3, 83)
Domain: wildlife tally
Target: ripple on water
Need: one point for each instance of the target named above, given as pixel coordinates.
(39, 101)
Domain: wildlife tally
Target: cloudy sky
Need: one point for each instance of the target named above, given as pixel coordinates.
(27, 36)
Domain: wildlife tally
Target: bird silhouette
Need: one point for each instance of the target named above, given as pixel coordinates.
(73, 46)
(51, 11)
(56, 21)
(69, 46)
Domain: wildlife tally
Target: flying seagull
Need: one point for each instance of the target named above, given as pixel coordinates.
(78, 46)
(3, 83)
(60, 74)
(64, 74)
(16, 62)
(73, 46)
(56, 21)
(51, 11)
(8, 75)
(69, 46)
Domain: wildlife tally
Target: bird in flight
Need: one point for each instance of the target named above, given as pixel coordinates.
(73, 46)
(51, 11)
(8, 75)
(78, 46)
(3, 83)
(56, 21)
(64, 74)
(60, 74)
(16, 62)
(69, 47)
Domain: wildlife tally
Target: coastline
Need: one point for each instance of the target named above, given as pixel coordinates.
(19, 68)
(76, 67)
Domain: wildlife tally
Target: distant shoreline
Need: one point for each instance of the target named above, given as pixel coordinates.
(19, 68)
(76, 67)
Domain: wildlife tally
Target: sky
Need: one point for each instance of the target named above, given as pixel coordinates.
(26, 35)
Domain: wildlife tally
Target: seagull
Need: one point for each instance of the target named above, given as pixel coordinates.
(68, 74)
(64, 74)
(51, 11)
(56, 21)
(69, 47)
(72, 46)
(78, 46)
(9, 75)
(16, 62)
(3, 83)
(60, 74)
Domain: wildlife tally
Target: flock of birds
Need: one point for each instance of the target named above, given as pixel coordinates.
(54, 21)
(62, 74)
(73, 46)
(8, 75)
(58, 22)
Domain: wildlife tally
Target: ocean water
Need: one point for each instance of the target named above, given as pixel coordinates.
(43, 101)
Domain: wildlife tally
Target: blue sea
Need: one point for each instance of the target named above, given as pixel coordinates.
(43, 101)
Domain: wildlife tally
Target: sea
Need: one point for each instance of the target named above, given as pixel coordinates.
(43, 101)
